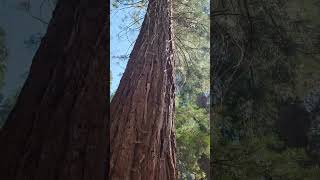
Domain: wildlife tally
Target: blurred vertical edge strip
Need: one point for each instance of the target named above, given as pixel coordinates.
(212, 8)
(108, 88)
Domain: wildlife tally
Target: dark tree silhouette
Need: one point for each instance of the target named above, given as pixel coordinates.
(58, 128)
(294, 124)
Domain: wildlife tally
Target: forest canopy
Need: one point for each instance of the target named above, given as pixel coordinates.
(265, 65)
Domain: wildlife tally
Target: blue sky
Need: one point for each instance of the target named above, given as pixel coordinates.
(19, 63)
(12, 21)
(121, 43)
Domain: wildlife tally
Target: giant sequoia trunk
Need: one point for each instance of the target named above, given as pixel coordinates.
(58, 129)
(142, 143)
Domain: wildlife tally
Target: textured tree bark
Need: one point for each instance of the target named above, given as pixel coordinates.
(58, 129)
(142, 143)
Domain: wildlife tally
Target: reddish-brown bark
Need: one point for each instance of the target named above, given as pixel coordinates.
(58, 129)
(142, 137)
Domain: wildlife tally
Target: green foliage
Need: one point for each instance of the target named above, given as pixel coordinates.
(258, 49)
(191, 28)
(193, 138)
(191, 24)
(259, 157)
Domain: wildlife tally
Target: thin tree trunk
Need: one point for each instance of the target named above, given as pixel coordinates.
(58, 129)
(142, 133)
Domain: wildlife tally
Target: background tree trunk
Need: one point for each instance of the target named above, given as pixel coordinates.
(142, 110)
(59, 126)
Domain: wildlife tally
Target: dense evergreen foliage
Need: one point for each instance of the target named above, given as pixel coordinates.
(265, 59)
